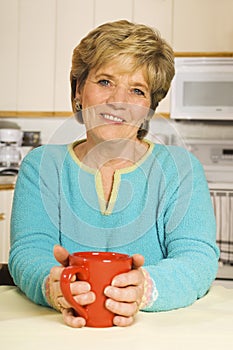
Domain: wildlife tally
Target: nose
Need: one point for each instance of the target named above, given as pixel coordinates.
(119, 93)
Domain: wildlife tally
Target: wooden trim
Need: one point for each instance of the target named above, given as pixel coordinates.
(161, 114)
(204, 54)
(7, 187)
(34, 114)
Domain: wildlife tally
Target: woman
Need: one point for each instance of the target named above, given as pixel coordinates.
(115, 190)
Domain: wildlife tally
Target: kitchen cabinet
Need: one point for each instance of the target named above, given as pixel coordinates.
(36, 55)
(9, 54)
(106, 10)
(72, 26)
(27, 36)
(203, 25)
(37, 39)
(6, 198)
(75, 19)
(157, 14)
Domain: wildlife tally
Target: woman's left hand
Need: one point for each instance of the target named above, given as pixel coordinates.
(125, 293)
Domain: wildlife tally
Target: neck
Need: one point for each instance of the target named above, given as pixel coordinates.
(118, 153)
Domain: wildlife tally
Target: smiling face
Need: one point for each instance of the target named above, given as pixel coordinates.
(115, 101)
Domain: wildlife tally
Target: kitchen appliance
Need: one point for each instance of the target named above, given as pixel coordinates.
(31, 138)
(217, 159)
(202, 88)
(10, 152)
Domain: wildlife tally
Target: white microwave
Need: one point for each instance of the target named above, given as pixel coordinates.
(202, 88)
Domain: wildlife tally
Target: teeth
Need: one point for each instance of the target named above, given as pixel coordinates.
(112, 118)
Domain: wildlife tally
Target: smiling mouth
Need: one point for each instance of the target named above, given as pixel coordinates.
(112, 118)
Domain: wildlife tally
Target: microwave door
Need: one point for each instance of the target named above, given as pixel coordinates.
(202, 93)
(208, 97)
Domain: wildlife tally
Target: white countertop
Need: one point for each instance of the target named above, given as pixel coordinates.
(207, 325)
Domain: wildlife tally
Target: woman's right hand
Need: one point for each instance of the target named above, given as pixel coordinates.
(79, 289)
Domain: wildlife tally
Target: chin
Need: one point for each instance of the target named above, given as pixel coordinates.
(115, 132)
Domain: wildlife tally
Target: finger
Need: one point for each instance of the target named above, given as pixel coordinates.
(81, 299)
(121, 321)
(75, 288)
(133, 277)
(129, 294)
(71, 320)
(55, 273)
(79, 287)
(61, 255)
(122, 309)
(138, 261)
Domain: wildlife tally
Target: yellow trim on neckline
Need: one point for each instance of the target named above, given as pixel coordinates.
(121, 171)
(106, 208)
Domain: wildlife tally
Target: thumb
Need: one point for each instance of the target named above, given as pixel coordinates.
(138, 261)
(61, 255)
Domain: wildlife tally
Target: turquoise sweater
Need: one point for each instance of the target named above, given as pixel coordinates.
(160, 208)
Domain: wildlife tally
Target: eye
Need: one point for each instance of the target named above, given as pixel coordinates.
(138, 92)
(104, 82)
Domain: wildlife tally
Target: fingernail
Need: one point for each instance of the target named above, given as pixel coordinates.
(87, 287)
(114, 282)
(108, 303)
(107, 289)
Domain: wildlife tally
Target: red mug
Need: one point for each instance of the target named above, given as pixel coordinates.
(98, 269)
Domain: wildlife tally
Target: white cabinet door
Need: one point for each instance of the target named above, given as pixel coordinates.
(106, 11)
(203, 25)
(9, 54)
(27, 60)
(75, 19)
(157, 14)
(36, 61)
(6, 197)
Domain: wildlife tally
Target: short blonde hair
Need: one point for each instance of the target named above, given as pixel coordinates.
(129, 40)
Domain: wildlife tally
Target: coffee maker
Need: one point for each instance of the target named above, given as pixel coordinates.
(10, 151)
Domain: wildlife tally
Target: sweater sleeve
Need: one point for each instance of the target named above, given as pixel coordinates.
(33, 232)
(187, 232)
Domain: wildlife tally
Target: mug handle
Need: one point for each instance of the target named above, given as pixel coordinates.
(65, 281)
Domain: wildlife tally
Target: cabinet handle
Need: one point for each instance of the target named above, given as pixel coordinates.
(2, 216)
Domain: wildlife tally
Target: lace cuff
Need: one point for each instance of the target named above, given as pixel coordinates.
(150, 291)
(45, 289)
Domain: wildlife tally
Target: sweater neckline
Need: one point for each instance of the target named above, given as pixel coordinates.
(93, 171)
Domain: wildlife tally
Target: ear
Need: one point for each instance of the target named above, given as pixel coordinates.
(78, 94)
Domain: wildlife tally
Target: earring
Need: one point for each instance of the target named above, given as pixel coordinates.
(78, 106)
(143, 129)
(78, 114)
